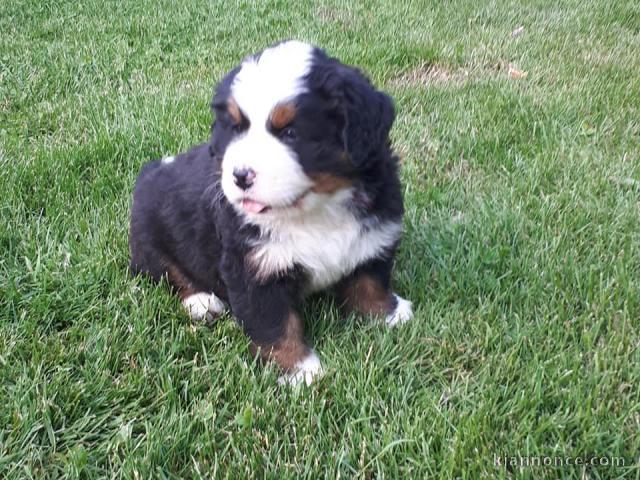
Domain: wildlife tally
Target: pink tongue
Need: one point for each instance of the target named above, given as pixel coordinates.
(252, 206)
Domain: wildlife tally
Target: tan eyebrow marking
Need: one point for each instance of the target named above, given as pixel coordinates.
(234, 111)
(282, 114)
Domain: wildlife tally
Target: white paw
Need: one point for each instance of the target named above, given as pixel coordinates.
(305, 371)
(203, 306)
(402, 314)
(168, 160)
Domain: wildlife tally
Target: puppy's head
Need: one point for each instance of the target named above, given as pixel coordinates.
(295, 129)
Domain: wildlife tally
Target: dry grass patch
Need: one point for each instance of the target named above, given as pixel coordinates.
(431, 73)
(345, 18)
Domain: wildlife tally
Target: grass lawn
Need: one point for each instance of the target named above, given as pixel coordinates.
(521, 250)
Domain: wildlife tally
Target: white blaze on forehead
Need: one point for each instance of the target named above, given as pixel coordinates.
(263, 82)
(276, 75)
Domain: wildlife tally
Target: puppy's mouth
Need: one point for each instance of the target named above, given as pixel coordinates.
(250, 205)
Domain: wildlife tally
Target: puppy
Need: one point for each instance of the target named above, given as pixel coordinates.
(296, 191)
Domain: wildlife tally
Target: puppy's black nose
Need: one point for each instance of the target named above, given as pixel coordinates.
(244, 177)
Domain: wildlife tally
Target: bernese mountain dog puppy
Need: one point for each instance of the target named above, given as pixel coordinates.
(297, 191)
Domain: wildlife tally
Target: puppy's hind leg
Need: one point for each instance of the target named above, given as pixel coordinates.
(201, 305)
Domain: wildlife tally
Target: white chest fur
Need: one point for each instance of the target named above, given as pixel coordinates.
(327, 245)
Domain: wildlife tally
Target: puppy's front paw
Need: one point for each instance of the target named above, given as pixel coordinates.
(402, 314)
(203, 306)
(307, 370)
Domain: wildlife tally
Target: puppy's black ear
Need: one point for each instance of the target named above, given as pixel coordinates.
(368, 113)
(369, 117)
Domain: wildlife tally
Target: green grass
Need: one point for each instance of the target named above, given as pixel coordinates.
(521, 249)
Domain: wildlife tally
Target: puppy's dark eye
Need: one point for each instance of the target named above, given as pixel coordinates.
(288, 134)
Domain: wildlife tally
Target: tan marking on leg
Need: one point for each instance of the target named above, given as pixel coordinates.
(290, 349)
(178, 280)
(200, 304)
(366, 295)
